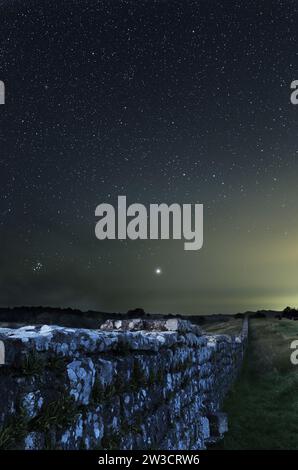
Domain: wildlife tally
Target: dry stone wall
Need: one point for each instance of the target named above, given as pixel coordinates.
(133, 384)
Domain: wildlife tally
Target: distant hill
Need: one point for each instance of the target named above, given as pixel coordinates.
(18, 316)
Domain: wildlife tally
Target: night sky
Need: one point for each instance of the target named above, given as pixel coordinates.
(162, 101)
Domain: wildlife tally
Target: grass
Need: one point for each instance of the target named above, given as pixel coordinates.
(263, 405)
(14, 431)
(231, 327)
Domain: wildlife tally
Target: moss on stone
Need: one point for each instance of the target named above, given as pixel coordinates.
(60, 413)
(57, 364)
(138, 378)
(98, 393)
(111, 441)
(32, 364)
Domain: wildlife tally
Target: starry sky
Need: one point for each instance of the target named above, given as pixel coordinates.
(182, 101)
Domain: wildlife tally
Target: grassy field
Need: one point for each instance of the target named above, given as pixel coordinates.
(263, 405)
(231, 327)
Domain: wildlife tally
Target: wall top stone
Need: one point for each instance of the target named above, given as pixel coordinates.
(113, 336)
(172, 324)
(119, 335)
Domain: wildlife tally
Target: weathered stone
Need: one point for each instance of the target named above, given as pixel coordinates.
(2, 353)
(133, 384)
(81, 376)
(31, 403)
(34, 441)
(173, 324)
(218, 425)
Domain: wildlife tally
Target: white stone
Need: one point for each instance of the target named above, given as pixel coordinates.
(2, 353)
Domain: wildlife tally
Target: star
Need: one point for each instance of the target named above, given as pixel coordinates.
(226, 146)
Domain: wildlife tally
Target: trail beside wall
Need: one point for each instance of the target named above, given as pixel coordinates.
(133, 384)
